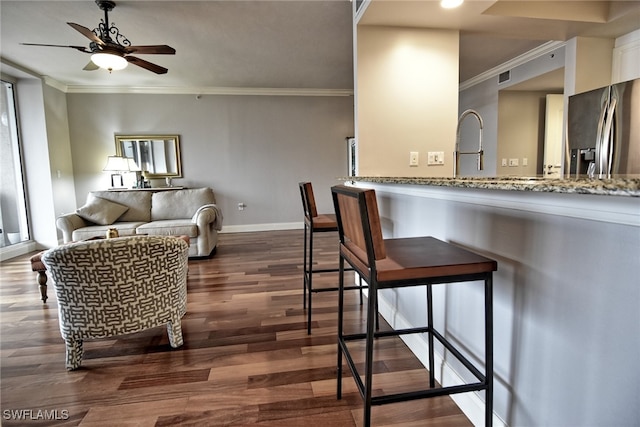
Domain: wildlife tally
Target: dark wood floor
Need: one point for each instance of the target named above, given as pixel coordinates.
(247, 358)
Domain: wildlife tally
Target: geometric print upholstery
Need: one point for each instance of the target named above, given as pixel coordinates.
(117, 286)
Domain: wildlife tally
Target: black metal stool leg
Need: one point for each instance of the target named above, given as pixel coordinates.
(305, 271)
(368, 373)
(310, 282)
(340, 327)
(432, 380)
(488, 330)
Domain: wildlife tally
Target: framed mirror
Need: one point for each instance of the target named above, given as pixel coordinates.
(158, 156)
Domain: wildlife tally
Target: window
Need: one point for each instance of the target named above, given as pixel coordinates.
(13, 212)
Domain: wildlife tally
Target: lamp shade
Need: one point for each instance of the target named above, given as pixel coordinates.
(116, 164)
(109, 61)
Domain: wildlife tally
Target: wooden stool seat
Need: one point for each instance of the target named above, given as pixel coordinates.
(325, 222)
(427, 258)
(401, 262)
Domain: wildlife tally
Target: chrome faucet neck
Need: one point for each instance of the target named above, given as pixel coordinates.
(457, 152)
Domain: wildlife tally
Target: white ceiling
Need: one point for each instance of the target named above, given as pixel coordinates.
(284, 44)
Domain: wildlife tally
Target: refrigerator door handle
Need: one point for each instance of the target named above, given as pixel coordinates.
(607, 141)
(600, 137)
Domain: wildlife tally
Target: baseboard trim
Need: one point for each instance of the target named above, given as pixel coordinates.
(262, 227)
(13, 251)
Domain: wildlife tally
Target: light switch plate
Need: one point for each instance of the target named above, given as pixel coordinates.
(413, 158)
(435, 158)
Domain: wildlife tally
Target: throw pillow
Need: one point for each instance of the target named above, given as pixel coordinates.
(101, 211)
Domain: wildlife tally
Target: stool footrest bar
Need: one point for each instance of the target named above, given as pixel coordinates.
(421, 394)
(382, 334)
(329, 270)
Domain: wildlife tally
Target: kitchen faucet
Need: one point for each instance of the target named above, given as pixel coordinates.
(457, 153)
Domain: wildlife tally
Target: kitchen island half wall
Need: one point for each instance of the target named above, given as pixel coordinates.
(566, 293)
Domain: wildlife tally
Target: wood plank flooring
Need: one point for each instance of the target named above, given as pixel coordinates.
(247, 358)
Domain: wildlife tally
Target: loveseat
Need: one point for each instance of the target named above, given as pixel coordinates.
(190, 212)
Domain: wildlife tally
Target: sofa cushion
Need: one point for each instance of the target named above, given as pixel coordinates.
(138, 202)
(101, 211)
(172, 227)
(124, 229)
(179, 204)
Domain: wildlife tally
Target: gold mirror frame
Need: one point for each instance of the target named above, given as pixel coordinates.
(158, 156)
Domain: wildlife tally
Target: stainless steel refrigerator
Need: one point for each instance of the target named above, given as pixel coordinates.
(603, 131)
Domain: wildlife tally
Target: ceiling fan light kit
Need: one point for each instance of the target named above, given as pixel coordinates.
(110, 49)
(109, 61)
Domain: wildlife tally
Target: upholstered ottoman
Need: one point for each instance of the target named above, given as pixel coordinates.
(38, 266)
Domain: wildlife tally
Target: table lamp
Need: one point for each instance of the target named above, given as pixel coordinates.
(118, 165)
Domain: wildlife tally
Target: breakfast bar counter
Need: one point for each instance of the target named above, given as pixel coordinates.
(612, 187)
(566, 294)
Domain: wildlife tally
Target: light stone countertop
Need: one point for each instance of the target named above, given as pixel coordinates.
(629, 187)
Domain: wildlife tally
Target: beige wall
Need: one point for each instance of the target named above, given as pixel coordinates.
(407, 99)
(589, 64)
(521, 132)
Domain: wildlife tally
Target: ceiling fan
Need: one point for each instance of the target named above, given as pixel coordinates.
(110, 49)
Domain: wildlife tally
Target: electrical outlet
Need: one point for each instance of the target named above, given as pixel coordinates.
(513, 162)
(525, 161)
(241, 206)
(435, 158)
(413, 158)
(504, 162)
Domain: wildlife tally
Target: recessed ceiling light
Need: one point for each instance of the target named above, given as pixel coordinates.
(450, 4)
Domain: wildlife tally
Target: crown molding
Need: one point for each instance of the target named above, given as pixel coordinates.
(55, 84)
(210, 91)
(15, 70)
(18, 71)
(539, 51)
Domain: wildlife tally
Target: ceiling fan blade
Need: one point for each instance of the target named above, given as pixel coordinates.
(147, 65)
(91, 66)
(86, 32)
(80, 48)
(160, 49)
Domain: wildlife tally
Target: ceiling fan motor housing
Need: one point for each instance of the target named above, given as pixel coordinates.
(106, 5)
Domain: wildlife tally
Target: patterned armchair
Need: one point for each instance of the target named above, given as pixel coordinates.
(118, 286)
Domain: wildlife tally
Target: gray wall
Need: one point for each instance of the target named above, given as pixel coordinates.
(249, 149)
(58, 144)
(566, 320)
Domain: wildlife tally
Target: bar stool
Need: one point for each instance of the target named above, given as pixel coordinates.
(395, 263)
(315, 223)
